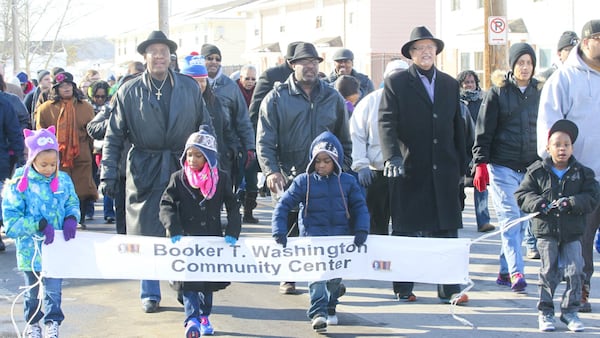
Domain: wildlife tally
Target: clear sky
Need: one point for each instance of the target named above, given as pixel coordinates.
(93, 18)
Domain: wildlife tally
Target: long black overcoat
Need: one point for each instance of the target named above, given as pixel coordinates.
(431, 139)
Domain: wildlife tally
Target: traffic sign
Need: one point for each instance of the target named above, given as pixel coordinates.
(497, 30)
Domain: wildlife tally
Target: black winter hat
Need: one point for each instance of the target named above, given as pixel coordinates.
(305, 50)
(156, 37)
(566, 126)
(567, 39)
(208, 49)
(518, 49)
(421, 33)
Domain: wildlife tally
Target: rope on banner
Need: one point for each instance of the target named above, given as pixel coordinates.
(471, 284)
(26, 289)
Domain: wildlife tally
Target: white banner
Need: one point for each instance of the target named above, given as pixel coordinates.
(102, 256)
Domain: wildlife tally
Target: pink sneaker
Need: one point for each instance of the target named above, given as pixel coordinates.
(518, 283)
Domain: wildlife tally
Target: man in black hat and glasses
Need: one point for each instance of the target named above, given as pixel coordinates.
(423, 145)
(291, 116)
(155, 112)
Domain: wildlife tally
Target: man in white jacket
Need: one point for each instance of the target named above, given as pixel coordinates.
(367, 160)
(573, 93)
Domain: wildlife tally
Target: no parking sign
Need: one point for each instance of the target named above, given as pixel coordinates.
(497, 30)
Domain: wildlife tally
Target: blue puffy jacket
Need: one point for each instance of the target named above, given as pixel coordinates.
(329, 205)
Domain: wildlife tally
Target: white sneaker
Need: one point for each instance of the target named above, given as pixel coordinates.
(33, 331)
(319, 323)
(573, 322)
(51, 330)
(546, 322)
(332, 320)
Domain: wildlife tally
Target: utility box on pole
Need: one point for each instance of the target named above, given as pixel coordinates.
(496, 39)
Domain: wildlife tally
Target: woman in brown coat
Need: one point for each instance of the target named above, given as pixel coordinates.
(70, 114)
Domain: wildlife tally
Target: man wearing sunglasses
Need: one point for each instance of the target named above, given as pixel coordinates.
(233, 105)
(290, 117)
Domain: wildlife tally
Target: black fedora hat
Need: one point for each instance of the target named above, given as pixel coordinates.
(291, 48)
(156, 37)
(305, 50)
(421, 33)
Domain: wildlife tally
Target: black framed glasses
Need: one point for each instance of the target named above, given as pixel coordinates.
(213, 58)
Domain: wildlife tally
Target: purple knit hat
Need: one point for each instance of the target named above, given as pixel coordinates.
(36, 142)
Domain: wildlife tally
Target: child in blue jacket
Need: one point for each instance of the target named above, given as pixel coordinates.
(36, 201)
(331, 204)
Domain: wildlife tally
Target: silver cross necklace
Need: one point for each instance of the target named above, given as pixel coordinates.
(158, 93)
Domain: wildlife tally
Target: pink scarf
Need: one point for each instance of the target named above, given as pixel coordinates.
(206, 179)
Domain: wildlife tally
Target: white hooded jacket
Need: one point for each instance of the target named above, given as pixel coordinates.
(573, 92)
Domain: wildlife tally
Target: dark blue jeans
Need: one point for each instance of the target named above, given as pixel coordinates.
(52, 298)
(197, 304)
(323, 297)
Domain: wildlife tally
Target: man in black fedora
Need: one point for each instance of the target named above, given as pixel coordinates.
(423, 145)
(291, 116)
(267, 80)
(156, 112)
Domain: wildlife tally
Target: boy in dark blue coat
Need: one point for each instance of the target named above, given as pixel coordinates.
(331, 204)
(563, 191)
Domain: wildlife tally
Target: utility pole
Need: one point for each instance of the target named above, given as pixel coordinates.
(15, 36)
(494, 56)
(163, 16)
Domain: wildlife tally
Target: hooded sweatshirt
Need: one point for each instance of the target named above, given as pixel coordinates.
(572, 93)
(329, 205)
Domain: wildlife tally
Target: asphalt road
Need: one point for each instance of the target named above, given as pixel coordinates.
(111, 308)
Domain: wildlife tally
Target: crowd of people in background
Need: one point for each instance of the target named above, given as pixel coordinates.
(166, 135)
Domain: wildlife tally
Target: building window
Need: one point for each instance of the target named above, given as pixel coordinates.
(319, 22)
(455, 5)
(256, 32)
(545, 58)
(350, 17)
(465, 61)
(479, 3)
(281, 29)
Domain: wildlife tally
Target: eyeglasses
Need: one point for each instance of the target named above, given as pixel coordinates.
(213, 58)
(306, 62)
(158, 53)
(595, 37)
(421, 49)
(99, 96)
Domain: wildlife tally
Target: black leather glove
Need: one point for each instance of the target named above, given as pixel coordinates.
(360, 237)
(564, 204)
(108, 187)
(281, 239)
(394, 167)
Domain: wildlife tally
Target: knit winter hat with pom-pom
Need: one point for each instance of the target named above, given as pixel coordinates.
(36, 142)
